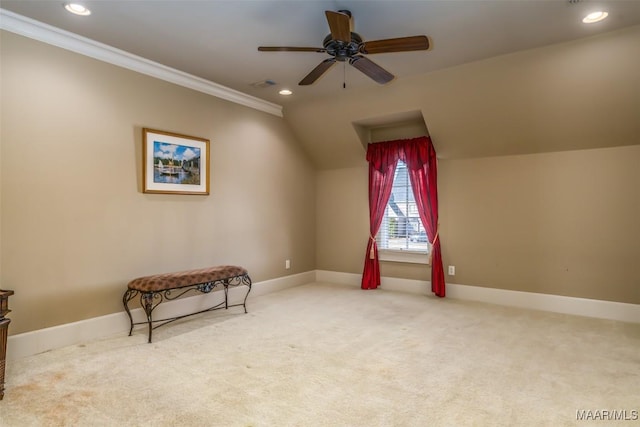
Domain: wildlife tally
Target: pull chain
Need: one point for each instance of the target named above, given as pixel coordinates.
(344, 75)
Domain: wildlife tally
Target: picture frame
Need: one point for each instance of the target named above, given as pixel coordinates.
(174, 164)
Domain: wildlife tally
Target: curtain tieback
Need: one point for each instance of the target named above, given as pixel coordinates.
(431, 246)
(372, 254)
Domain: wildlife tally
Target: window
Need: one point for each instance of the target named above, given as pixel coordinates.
(402, 237)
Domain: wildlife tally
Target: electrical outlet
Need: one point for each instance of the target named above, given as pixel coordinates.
(287, 264)
(452, 270)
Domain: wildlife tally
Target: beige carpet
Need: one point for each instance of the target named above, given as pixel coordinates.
(324, 355)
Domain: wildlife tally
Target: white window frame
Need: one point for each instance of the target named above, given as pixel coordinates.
(412, 257)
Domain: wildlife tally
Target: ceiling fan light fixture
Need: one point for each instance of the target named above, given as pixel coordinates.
(77, 9)
(594, 17)
(285, 92)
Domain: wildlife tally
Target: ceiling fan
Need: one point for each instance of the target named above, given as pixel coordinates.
(346, 46)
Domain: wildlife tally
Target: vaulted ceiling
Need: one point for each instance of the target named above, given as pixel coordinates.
(506, 70)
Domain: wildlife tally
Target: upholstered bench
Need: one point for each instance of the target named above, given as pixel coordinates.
(153, 290)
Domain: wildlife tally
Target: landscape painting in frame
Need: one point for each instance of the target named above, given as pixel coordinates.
(174, 163)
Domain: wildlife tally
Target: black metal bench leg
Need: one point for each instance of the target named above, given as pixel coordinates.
(146, 300)
(128, 296)
(247, 281)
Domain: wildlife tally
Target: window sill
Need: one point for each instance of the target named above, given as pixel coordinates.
(412, 257)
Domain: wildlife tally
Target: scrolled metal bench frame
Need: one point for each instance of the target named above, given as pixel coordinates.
(150, 299)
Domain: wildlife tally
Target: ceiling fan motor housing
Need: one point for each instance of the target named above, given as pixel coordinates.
(340, 50)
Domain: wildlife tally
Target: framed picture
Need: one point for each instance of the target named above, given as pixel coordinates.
(174, 164)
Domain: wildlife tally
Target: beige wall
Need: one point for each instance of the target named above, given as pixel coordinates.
(342, 227)
(558, 223)
(76, 226)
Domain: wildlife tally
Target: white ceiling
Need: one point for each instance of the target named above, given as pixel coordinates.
(218, 39)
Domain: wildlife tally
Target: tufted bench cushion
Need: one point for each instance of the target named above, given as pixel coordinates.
(161, 282)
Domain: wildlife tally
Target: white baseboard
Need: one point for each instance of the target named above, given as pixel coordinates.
(34, 342)
(338, 278)
(555, 303)
(280, 283)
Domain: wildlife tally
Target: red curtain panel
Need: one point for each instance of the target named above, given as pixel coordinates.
(382, 168)
(420, 157)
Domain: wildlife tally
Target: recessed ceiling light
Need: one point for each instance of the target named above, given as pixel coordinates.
(77, 9)
(285, 92)
(595, 17)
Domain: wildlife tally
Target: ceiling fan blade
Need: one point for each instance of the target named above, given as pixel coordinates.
(317, 72)
(371, 69)
(340, 25)
(290, 49)
(402, 44)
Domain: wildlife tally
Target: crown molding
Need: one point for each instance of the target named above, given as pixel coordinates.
(36, 30)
